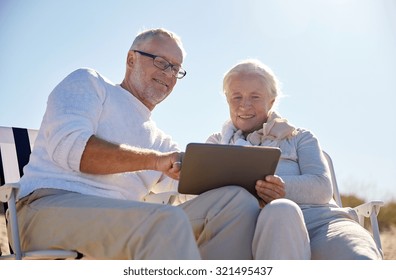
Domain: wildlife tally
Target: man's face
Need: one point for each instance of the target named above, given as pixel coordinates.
(147, 82)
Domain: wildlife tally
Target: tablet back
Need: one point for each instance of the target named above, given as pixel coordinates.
(208, 166)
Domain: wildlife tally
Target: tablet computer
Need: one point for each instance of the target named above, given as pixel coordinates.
(208, 166)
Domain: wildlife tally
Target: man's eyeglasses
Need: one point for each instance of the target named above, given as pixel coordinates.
(163, 64)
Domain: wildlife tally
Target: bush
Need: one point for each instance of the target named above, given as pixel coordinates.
(351, 201)
(387, 216)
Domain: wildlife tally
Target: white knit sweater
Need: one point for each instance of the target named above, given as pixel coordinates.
(83, 104)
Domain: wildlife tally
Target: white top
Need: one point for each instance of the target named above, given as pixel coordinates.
(84, 104)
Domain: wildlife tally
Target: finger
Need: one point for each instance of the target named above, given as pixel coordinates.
(270, 185)
(271, 190)
(274, 179)
(269, 194)
(176, 166)
(266, 199)
(173, 175)
(262, 203)
(259, 183)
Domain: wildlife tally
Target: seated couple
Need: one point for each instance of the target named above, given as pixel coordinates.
(99, 158)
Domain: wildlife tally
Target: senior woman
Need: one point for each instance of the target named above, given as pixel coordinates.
(299, 218)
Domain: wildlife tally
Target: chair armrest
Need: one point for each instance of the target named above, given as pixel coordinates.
(8, 194)
(368, 209)
(6, 190)
(371, 210)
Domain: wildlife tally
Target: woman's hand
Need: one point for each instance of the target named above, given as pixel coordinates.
(272, 187)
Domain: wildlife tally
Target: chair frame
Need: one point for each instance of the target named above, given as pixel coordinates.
(8, 193)
(366, 210)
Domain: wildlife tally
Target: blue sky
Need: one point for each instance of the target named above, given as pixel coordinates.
(336, 60)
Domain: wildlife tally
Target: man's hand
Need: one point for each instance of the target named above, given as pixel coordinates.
(170, 164)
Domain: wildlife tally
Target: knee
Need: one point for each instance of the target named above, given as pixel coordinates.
(169, 215)
(283, 204)
(282, 208)
(173, 222)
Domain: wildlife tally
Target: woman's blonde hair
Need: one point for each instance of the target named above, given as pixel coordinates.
(254, 66)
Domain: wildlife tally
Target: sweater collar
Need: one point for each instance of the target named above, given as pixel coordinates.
(275, 129)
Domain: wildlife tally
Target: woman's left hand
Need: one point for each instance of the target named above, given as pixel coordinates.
(272, 187)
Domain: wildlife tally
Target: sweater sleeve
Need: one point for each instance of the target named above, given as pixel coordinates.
(313, 184)
(73, 110)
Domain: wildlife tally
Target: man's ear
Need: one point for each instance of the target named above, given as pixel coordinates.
(131, 59)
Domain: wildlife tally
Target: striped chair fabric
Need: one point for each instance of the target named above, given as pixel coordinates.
(16, 145)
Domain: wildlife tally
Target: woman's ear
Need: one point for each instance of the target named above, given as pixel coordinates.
(272, 102)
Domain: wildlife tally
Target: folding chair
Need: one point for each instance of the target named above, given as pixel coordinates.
(365, 210)
(15, 149)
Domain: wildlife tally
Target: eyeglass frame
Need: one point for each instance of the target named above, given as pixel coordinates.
(174, 73)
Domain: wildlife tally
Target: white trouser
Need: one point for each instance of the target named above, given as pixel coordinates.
(281, 233)
(335, 234)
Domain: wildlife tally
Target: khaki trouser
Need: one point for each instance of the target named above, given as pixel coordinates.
(218, 224)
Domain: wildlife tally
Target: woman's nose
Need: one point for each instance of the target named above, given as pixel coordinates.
(245, 103)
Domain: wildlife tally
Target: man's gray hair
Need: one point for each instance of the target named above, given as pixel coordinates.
(146, 35)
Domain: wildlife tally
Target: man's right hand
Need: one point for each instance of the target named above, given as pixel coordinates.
(170, 164)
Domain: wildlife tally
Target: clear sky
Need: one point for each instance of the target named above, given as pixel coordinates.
(336, 60)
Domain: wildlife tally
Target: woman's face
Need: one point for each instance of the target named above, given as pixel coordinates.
(249, 101)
